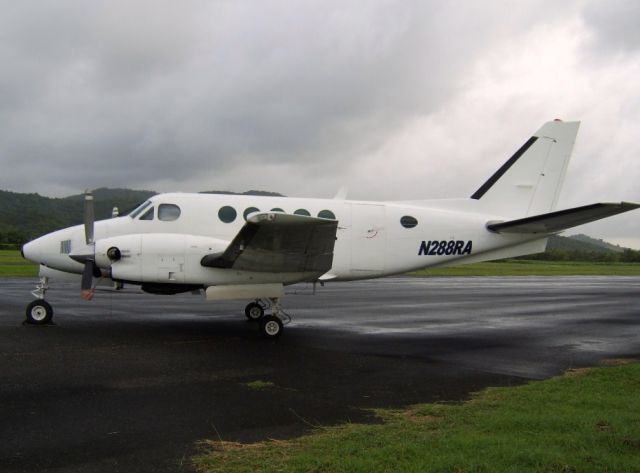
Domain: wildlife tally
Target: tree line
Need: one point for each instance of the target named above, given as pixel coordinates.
(555, 254)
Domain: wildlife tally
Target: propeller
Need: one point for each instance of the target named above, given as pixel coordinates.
(88, 217)
(90, 268)
(87, 254)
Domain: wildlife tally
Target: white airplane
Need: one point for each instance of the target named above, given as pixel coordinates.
(247, 247)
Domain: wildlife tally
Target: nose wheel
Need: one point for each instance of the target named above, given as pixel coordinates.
(39, 312)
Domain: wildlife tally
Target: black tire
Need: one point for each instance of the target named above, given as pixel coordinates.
(270, 327)
(39, 312)
(254, 311)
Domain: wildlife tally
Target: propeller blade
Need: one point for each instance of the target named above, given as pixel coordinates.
(88, 217)
(87, 276)
(87, 281)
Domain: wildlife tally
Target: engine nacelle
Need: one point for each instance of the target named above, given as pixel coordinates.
(153, 257)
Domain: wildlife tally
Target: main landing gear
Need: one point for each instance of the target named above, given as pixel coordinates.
(270, 326)
(40, 312)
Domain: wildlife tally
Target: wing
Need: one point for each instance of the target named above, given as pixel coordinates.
(279, 243)
(561, 220)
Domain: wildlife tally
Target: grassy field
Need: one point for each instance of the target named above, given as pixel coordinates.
(584, 421)
(13, 265)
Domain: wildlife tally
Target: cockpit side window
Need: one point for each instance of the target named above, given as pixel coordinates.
(168, 212)
(140, 209)
(148, 215)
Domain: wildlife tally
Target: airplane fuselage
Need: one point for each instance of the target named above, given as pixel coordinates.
(373, 239)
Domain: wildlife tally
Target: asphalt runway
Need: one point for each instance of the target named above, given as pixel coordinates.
(130, 382)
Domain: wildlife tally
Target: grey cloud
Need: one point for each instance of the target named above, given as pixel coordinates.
(119, 92)
(615, 24)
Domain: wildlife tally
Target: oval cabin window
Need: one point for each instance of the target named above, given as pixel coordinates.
(408, 221)
(326, 214)
(249, 210)
(227, 214)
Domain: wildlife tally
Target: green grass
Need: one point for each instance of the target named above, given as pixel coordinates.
(13, 265)
(584, 421)
(535, 268)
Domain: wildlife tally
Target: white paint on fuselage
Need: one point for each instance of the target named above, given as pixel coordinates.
(370, 242)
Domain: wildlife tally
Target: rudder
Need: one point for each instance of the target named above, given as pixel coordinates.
(529, 182)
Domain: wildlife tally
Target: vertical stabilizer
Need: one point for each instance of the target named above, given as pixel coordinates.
(529, 182)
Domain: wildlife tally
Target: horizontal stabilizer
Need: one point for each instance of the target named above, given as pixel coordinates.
(561, 220)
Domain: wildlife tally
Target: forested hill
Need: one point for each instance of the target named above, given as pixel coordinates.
(26, 216)
(584, 248)
(598, 243)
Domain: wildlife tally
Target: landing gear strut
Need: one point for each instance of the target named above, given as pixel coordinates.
(40, 312)
(271, 326)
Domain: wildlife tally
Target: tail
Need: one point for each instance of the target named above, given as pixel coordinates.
(529, 182)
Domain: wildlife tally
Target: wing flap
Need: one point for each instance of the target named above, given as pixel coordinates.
(561, 220)
(279, 243)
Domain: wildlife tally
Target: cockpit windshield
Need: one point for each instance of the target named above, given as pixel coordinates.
(140, 209)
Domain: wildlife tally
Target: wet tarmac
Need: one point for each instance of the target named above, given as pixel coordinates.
(130, 382)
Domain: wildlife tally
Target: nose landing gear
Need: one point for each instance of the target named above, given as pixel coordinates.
(40, 312)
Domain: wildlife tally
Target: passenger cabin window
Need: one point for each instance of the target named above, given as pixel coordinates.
(227, 214)
(277, 209)
(140, 209)
(408, 221)
(168, 212)
(248, 211)
(148, 215)
(302, 212)
(326, 214)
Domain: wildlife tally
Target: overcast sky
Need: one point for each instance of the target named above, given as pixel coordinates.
(394, 99)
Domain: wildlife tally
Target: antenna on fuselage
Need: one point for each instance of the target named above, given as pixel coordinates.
(342, 193)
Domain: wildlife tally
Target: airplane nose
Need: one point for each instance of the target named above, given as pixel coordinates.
(27, 252)
(36, 250)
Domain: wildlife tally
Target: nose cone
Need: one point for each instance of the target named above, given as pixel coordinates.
(32, 251)
(52, 250)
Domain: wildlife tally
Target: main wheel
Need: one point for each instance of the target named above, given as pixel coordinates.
(253, 311)
(270, 326)
(39, 312)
